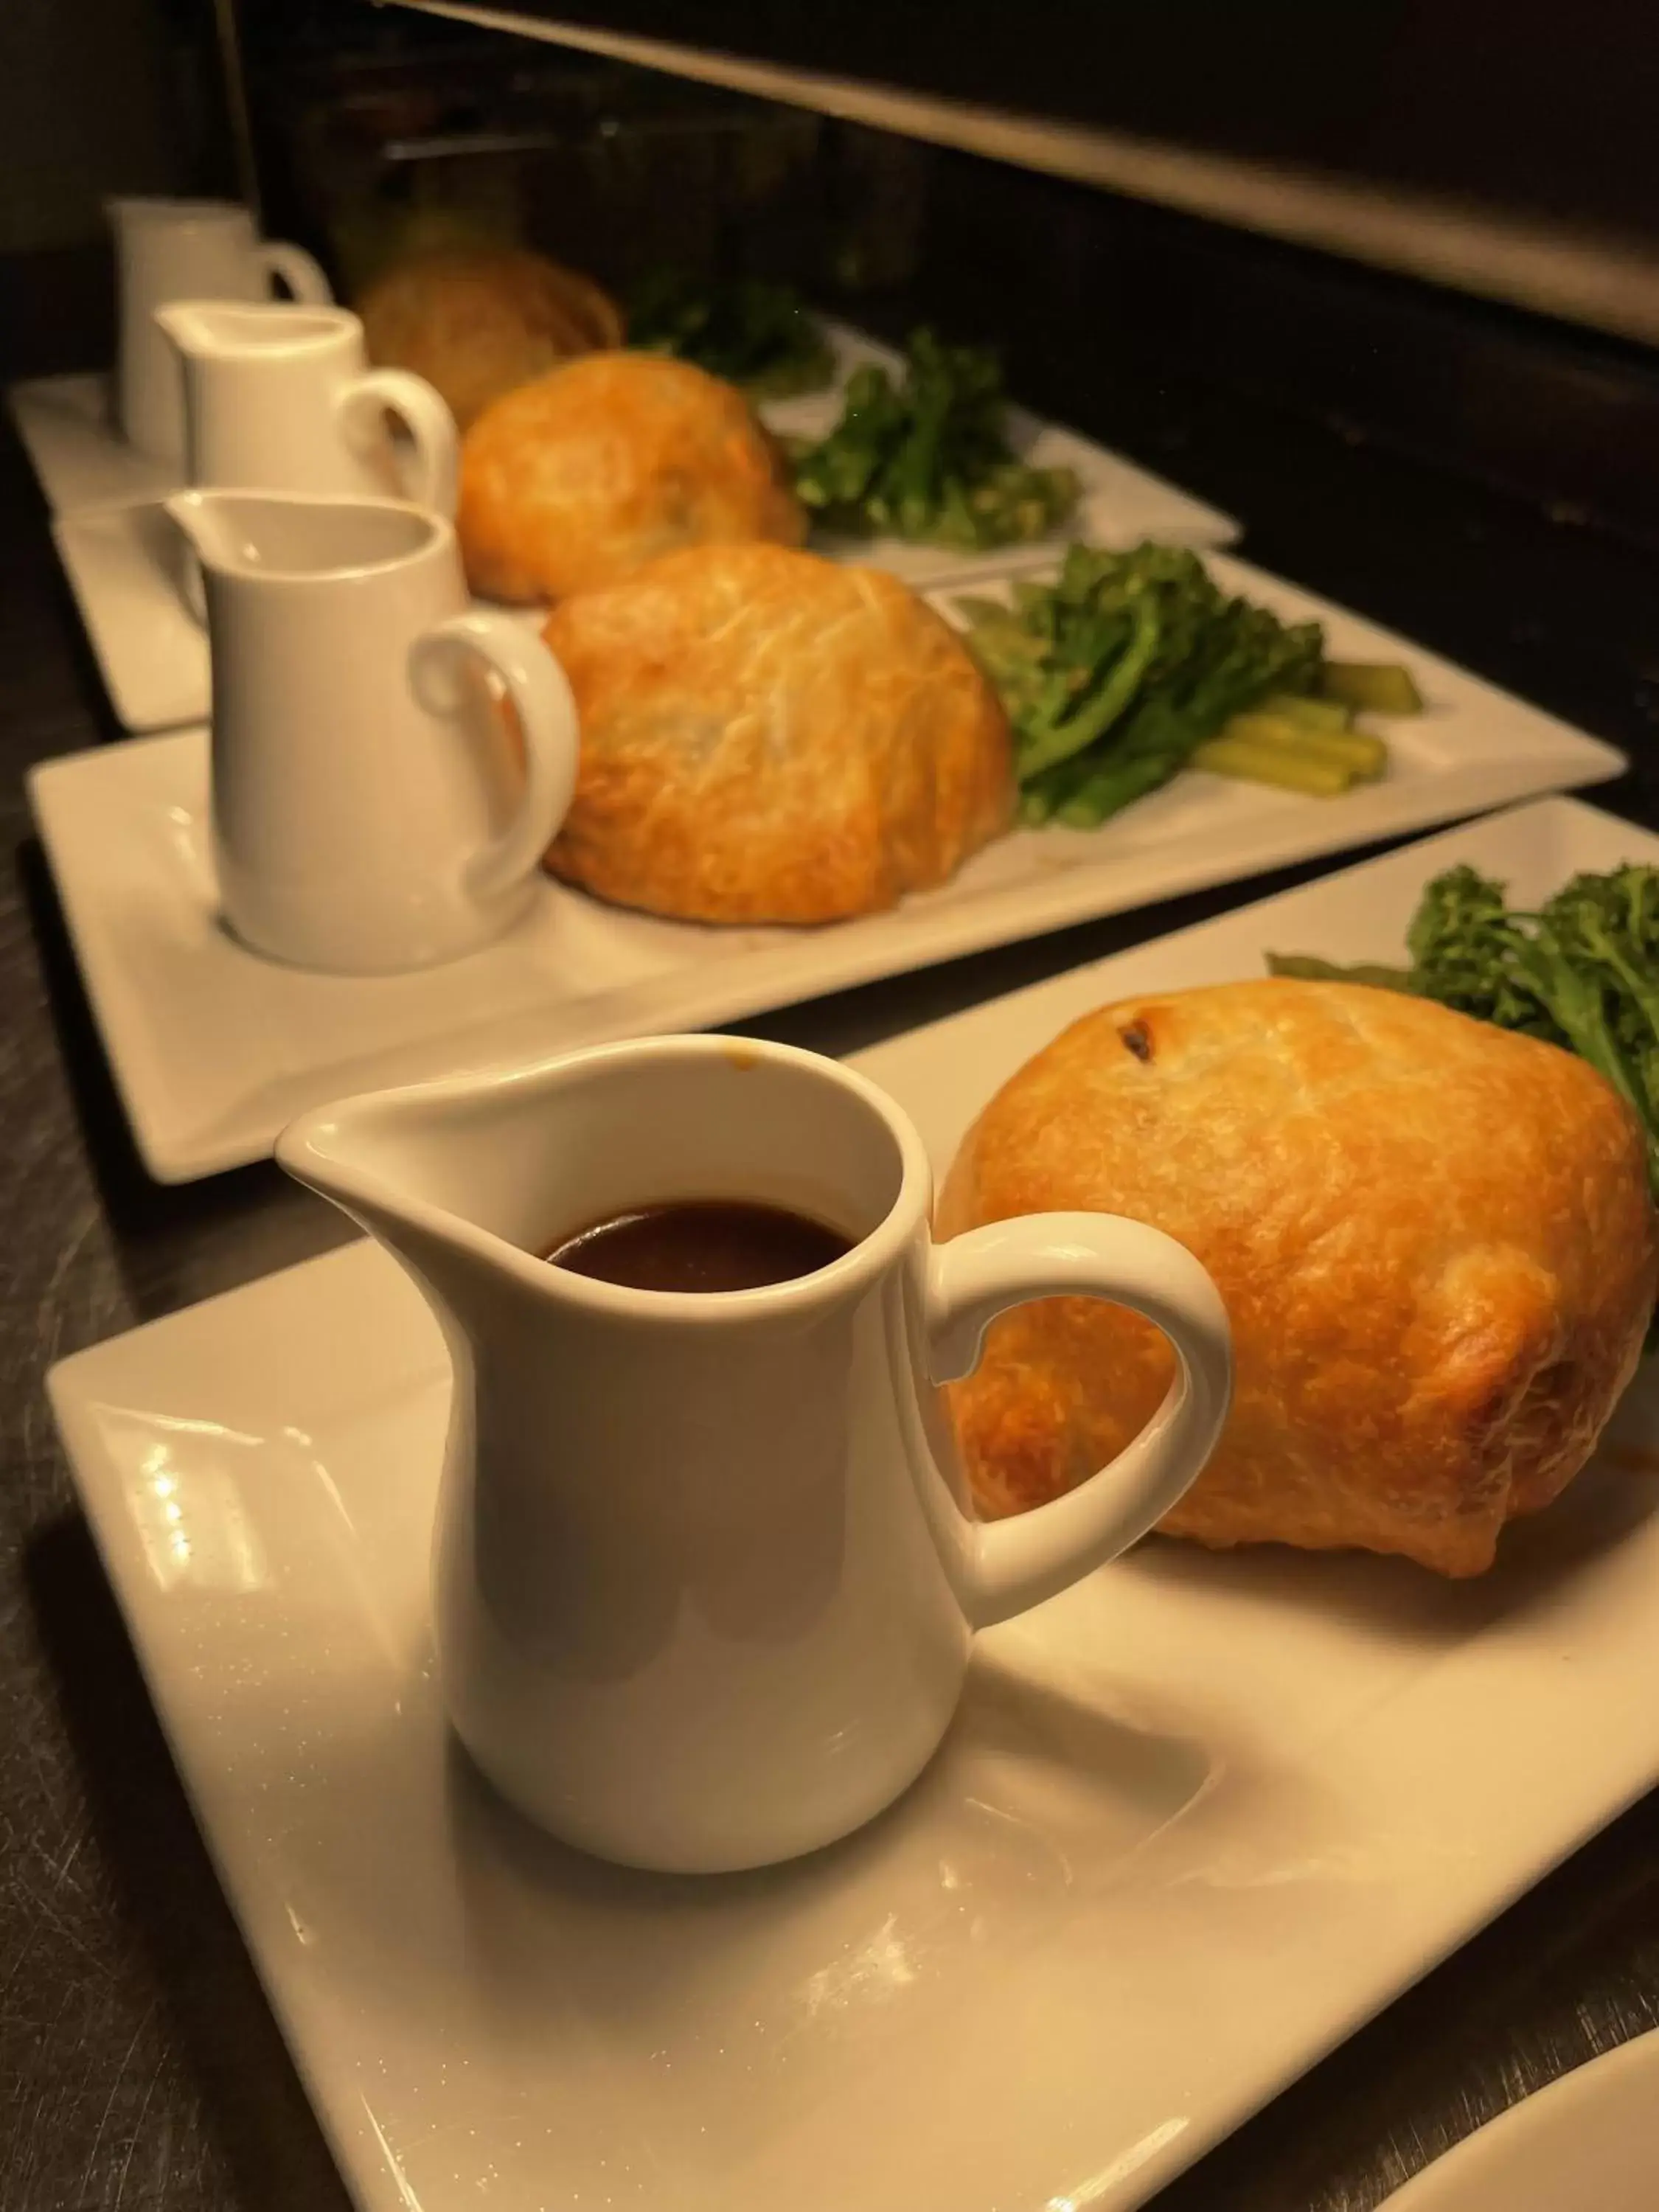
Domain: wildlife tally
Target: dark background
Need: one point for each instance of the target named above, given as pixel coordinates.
(1535, 105)
(1540, 108)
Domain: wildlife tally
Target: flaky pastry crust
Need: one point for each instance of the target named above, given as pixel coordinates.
(767, 736)
(573, 482)
(1434, 1239)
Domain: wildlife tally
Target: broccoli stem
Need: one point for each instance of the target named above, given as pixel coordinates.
(1113, 698)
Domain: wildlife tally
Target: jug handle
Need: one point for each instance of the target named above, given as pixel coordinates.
(428, 422)
(294, 267)
(1017, 1563)
(546, 708)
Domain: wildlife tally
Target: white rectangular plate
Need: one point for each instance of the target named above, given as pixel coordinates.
(214, 1049)
(123, 565)
(68, 426)
(117, 547)
(1198, 1819)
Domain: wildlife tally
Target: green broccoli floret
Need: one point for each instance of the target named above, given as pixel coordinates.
(927, 457)
(1116, 672)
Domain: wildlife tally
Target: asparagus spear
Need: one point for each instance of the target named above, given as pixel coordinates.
(1283, 765)
(1308, 713)
(1374, 687)
(1356, 751)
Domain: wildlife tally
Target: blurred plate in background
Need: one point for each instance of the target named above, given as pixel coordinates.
(1589, 2143)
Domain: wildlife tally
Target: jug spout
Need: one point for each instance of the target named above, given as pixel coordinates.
(410, 1167)
(192, 327)
(205, 523)
(238, 329)
(299, 537)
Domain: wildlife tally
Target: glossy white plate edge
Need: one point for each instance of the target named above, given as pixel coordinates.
(74, 1410)
(128, 607)
(919, 933)
(65, 426)
(1558, 2149)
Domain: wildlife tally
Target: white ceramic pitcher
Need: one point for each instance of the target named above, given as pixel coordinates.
(280, 398)
(705, 1579)
(168, 250)
(370, 812)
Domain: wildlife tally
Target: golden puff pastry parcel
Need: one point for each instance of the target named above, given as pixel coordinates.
(767, 736)
(477, 321)
(1434, 1238)
(573, 482)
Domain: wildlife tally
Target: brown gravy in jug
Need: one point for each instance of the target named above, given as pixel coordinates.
(701, 1244)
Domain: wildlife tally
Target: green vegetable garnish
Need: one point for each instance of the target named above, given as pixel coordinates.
(1583, 972)
(1114, 675)
(927, 458)
(1358, 753)
(761, 336)
(1374, 687)
(1291, 768)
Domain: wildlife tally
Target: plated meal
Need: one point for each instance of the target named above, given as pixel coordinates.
(1426, 1196)
(922, 454)
(769, 735)
(774, 739)
(1418, 1199)
(646, 451)
(923, 469)
(1201, 1773)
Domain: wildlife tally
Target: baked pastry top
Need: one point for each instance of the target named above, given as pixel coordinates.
(767, 736)
(1434, 1239)
(478, 321)
(576, 480)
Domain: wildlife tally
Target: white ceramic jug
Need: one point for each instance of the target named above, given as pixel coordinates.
(705, 1579)
(370, 810)
(281, 397)
(169, 250)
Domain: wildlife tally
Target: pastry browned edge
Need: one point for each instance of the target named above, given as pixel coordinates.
(1434, 1239)
(573, 482)
(767, 735)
